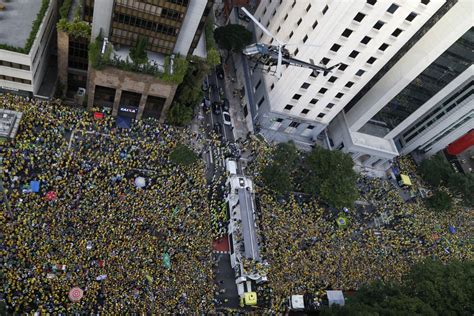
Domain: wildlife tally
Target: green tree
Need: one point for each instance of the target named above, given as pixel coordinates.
(183, 155)
(447, 288)
(232, 37)
(436, 170)
(213, 58)
(180, 114)
(440, 201)
(329, 174)
(277, 178)
(286, 155)
(463, 184)
(138, 53)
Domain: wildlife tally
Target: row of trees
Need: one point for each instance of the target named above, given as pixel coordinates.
(430, 288)
(321, 172)
(437, 172)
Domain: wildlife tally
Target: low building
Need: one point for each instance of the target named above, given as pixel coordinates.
(26, 37)
(9, 123)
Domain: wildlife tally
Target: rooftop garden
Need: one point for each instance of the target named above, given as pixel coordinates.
(34, 30)
(75, 27)
(137, 61)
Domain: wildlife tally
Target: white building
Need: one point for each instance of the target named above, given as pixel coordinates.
(362, 35)
(24, 73)
(422, 104)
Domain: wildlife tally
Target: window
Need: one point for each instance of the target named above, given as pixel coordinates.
(339, 95)
(347, 32)
(264, 11)
(411, 17)
(315, 24)
(353, 54)
(272, 86)
(246, 111)
(294, 124)
(305, 38)
(365, 40)
(330, 105)
(378, 25)
(258, 84)
(332, 79)
(425, 2)
(371, 2)
(305, 111)
(299, 21)
(274, 12)
(294, 3)
(314, 101)
(325, 9)
(296, 52)
(321, 115)
(322, 90)
(296, 96)
(305, 85)
(288, 107)
(371, 60)
(291, 34)
(360, 72)
(324, 61)
(278, 29)
(392, 8)
(260, 102)
(383, 47)
(314, 74)
(286, 17)
(335, 47)
(397, 32)
(349, 84)
(359, 17)
(308, 7)
(342, 67)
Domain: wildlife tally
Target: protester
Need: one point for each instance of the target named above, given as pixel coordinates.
(308, 253)
(130, 250)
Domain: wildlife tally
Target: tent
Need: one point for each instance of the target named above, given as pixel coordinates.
(335, 297)
(35, 186)
(140, 182)
(98, 115)
(405, 180)
(124, 122)
(166, 260)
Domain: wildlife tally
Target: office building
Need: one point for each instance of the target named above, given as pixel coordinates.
(421, 104)
(171, 28)
(27, 30)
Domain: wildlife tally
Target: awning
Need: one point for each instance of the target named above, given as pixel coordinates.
(35, 186)
(405, 179)
(124, 122)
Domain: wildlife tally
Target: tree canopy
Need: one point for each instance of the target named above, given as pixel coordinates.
(329, 174)
(183, 155)
(138, 53)
(232, 37)
(180, 114)
(430, 288)
(435, 170)
(277, 175)
(440, 201)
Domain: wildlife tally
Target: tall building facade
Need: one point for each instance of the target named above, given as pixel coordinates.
(363, 36)
(422, 104)
(26, 34)
(171, 28)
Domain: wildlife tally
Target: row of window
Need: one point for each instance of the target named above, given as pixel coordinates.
(14, 65)
(145, 24)
(15, 79)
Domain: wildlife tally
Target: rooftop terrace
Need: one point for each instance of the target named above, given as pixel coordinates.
(16, 21)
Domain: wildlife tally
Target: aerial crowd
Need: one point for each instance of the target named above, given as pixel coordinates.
(308, 253)
(145, 246)
(128, 248)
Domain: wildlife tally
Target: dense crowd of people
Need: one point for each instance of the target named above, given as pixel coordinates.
(90, 226)
(308, 253)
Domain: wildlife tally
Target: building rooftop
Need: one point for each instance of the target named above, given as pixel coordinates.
(16, 21)
(9, 122)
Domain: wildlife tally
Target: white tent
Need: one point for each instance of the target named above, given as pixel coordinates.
(297, 302)
(335, 297)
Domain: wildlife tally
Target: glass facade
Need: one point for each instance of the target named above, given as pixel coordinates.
(435, 77)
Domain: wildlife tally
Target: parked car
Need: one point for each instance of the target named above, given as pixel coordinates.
(216, 109)
(206, 104)
(218, 128)
(226, 118)
(225, 105)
